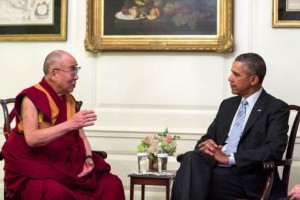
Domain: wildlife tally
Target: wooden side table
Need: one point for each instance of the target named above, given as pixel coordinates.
(151, 179)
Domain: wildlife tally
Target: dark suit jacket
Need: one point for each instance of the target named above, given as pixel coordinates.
(264, 138)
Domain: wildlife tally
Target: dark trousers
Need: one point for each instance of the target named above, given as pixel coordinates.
(199, 178)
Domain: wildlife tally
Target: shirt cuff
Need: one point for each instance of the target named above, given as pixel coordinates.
(231, 159)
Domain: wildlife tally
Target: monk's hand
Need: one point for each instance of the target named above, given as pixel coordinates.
(88, 167)
(208, 146)
(83, 118)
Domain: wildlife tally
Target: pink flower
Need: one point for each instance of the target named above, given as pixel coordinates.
(148, 138)
(169, 139)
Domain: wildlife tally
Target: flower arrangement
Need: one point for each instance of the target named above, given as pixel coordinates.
(159, 143)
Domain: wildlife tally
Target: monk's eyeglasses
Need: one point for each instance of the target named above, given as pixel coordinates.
(74, 70)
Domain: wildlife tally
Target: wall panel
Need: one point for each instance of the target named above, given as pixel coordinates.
(138, 93)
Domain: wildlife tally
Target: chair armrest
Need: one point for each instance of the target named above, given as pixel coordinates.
(103, 154)
(269, 167)
(284, 162)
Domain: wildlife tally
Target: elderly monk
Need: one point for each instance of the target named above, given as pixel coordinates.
(47, 155)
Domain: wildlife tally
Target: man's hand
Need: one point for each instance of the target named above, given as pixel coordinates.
(83, 118)
(294, 193)
(220, 157)
(88, 167)
(211, 148)
(208, 146)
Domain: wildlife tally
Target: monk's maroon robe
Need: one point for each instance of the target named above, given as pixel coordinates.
(41, 172)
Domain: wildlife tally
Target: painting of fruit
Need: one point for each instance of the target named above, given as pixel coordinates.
(160, 25)
(180, 12)
(163, 17)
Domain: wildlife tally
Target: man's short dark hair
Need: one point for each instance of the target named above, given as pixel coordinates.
(255, 64)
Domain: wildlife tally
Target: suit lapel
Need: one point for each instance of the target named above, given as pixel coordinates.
(230, 111)
(257, 110)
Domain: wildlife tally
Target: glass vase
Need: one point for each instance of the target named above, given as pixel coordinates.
(153, 164)
(162, 163)
(142, 162)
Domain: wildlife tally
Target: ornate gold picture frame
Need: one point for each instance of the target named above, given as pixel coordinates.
(33, 20)
(159, 25)
(286, 13)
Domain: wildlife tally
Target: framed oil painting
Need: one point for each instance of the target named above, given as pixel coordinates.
(31, 20)
(286, 13)
(159, 25)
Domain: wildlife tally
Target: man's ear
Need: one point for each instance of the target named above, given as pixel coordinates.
(255, 80)
(52, 75)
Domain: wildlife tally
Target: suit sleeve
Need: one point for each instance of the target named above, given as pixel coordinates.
(212, 129)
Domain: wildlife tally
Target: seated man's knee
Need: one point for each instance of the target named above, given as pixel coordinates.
(198, 156)
(55, 190)
(110, 187)
(111, 181)
(189, 154)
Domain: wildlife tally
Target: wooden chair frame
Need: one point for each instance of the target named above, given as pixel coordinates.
(286, 163)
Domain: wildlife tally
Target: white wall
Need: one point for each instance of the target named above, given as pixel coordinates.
(138, 93)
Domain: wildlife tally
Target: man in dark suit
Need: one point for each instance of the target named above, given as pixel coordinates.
(227, 161)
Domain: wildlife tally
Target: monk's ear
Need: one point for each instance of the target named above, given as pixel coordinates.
(52, 74)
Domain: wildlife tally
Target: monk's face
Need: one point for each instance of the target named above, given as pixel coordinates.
(66, 75)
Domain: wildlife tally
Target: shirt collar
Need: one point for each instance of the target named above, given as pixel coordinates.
(253, 98)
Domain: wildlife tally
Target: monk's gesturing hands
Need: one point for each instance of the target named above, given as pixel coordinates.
(83, 118)
(88, 167)
(212, 149)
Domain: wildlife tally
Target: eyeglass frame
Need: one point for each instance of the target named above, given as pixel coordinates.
(74, 70)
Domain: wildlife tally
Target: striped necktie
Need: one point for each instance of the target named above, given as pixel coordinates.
(237, 129)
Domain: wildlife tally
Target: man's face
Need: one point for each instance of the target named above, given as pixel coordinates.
(67, 74)
(241, 81)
